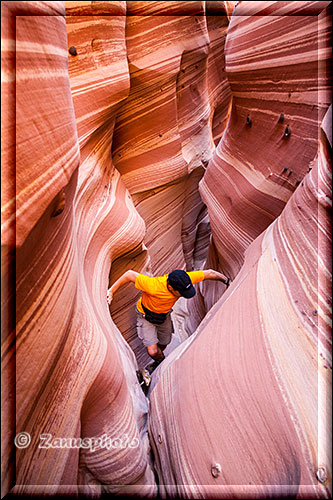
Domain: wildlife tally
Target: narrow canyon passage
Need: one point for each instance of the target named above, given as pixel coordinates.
(153, 136)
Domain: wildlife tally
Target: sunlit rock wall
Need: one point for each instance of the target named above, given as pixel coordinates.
(39, 157)
(111, 142)
(219, 88)
(75, 373)
(258, 369)
(277, 57)
(114, 129)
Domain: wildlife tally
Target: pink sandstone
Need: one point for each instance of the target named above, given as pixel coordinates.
(75, 374)
(252, 371)
(133, 152)
(162, 139)
(276, 63)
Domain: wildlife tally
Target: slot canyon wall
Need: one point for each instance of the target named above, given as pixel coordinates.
(277, 65)
(132, 150)
(87, 120)
(258, 368)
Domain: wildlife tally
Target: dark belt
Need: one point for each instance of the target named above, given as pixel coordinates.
(153, 317)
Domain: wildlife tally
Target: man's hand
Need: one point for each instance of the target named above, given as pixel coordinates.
(227, 282)
(129, 276)
(109, 296)
(211, 274)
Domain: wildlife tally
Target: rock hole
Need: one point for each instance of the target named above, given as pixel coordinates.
(72, 50)
(287, 131)
(322, 475)
(215, 470)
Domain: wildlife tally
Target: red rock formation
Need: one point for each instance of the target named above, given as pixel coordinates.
(39, 155)
(75, 374)
(139, 101)
(36, 185)
(219, 87)
(163, 134)
(98, 71)
(276, 64)
(258, 370)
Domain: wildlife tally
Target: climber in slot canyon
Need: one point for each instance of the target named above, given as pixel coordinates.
(153, 309)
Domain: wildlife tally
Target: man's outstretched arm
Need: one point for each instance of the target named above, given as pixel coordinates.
(129, 276)
(211, 274)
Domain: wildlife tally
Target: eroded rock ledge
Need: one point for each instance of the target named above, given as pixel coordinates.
(154, 136)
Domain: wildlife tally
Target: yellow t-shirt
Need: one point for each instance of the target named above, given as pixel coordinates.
(156, 296)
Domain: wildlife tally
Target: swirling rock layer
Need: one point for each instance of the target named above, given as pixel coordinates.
(119, 107)
(107, 138)
(258, 369)
(276, 63)
(164, 135)
(75, 373)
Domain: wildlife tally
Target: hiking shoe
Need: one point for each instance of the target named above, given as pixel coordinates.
(143, 377)
(152, 366)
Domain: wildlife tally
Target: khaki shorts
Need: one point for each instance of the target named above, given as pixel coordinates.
(153, 334)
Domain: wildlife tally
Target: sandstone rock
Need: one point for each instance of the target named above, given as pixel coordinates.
(219, 87)
(276, 63)
(39, 157)
(99, 75)
(258, 369)
(163, 136)
(119, 107)
(41, 153)
(75, 373)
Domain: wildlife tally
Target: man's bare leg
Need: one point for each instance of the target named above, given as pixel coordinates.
(161, 346)
(155, 352)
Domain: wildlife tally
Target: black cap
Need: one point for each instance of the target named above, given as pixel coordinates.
(180, 281)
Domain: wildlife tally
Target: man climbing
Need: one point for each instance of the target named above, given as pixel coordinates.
(154, 325)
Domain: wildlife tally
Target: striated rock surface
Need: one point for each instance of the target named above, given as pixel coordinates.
(75, 373)
(113, 125)
(258, 369)
(277, 56)
(107, 226)
(217, 17)
(119, 107)
(39, 157)
(98, 68)
(38, 177)
(164, 136)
